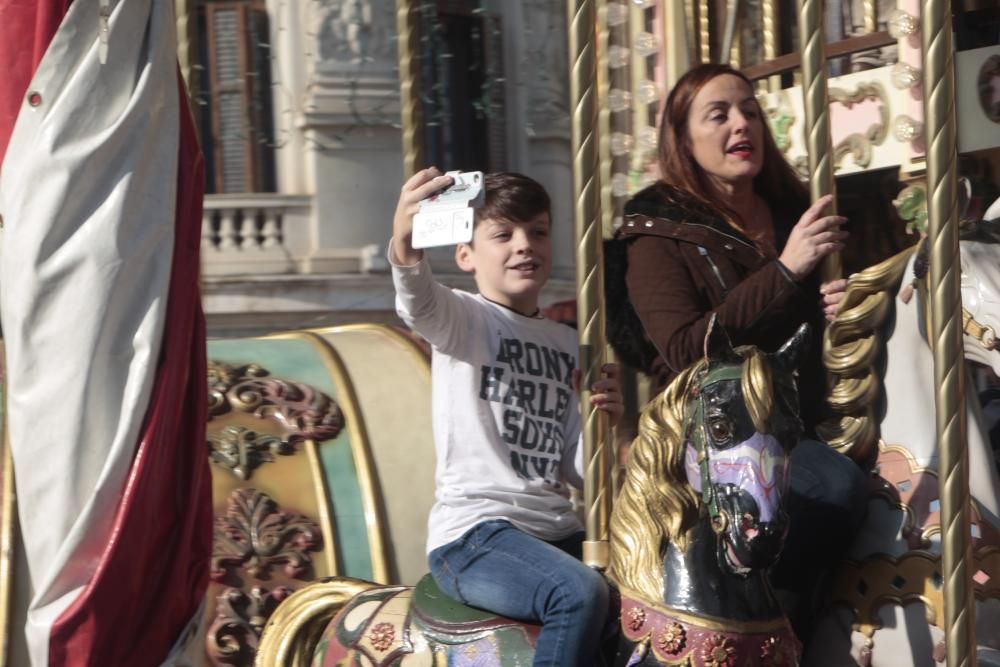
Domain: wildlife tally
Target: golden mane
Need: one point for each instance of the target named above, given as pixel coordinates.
(852, 346)
(656, 504)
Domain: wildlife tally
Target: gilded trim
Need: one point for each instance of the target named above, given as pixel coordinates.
(296, 626)
(910, 578)
(361, 450)
(910, 520)
(326, 520)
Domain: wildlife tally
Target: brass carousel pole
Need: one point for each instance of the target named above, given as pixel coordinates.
(607, 208)
(870, 16)
(771, 40)
(704, 33)
(409, 86)
(589, 270)
(946, 329)
(817, 109)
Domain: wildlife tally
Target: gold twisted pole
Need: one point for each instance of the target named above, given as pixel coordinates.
(409, 87)
(692, 23)
(604, 78)
(871, 16)
(589, 271)
(770, 30)
(946, 329)
(817, 108)
(704, 33)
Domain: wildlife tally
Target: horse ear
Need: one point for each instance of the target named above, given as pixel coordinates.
(793, 351)
(718, 347)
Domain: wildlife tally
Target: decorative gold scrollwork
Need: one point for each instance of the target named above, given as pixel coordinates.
(851, 345)
(859, 146)
(301, 411)
(240, 617)
(255, 536)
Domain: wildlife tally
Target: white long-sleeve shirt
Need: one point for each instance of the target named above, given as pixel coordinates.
(505, 415)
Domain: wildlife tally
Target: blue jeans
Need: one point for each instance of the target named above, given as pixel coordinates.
(826, 503)
(495, 566)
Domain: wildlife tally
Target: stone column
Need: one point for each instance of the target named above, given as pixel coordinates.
(349, 127)
(543, 73)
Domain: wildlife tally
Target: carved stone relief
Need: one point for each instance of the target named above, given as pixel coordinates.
(300, 411)
(254, 536)
(544, 65)
(356, 31)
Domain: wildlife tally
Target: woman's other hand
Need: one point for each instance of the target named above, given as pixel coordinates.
(814, 237)
(831, 294)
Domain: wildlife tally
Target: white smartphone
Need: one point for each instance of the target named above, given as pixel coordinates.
(447, 217)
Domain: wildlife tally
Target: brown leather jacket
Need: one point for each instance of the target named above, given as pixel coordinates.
(683, 265)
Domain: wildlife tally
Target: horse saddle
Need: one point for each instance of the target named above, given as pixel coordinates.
(388, 623)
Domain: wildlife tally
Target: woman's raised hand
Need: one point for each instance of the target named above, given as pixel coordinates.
(814, 237)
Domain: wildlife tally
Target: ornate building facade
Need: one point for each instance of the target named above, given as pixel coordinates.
(306, 167)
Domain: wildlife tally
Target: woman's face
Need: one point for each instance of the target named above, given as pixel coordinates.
(726, 131)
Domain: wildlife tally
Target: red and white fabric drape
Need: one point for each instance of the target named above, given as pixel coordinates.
(101, 190)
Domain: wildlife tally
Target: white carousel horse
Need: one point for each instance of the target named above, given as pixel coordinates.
(893, 580)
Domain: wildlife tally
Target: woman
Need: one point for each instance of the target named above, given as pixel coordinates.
(728, 231)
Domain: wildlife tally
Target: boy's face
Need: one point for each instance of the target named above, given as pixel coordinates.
(511, 261)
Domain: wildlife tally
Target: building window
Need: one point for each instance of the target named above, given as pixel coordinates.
(237, 127)
(463, 86)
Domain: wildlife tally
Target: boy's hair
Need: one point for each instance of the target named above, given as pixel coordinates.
(513, 197)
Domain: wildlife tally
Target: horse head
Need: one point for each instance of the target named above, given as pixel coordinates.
(743, 420)
(712, 448)
(699, 519)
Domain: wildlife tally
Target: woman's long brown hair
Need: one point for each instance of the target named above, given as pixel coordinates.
(776, 181)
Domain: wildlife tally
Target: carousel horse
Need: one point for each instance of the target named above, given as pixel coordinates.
(888, 598)
(697, 525)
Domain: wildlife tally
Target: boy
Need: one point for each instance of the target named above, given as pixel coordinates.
(503, 535)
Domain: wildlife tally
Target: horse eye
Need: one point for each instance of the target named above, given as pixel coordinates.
(721, 431)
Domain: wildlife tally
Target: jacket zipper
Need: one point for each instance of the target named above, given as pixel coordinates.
(715, 269)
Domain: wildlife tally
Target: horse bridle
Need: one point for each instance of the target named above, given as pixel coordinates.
(699, 438)
(985, 334)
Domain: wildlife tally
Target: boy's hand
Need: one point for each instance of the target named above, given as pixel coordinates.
(420, 186)
(606, 394)
(831, 294)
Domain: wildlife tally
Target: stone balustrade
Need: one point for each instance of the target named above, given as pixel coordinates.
(254, 233)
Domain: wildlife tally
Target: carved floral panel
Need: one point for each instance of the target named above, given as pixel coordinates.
(300, 412)
(254, 536)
